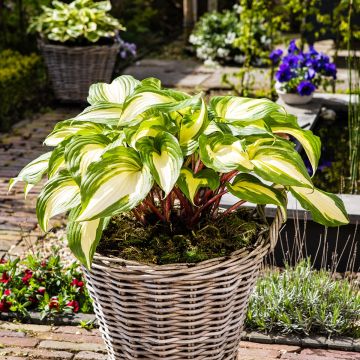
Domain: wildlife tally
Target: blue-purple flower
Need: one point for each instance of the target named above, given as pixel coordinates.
(310, 74)
(305, 88)
(293, 61)
(284, 73)
(330, 70)
(292, 47)
(275, 56)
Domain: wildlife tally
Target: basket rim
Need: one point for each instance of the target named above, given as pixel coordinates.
(45, 44)
(261, 246)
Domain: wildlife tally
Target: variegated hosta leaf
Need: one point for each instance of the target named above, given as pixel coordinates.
(224, 153)
(101, 112)
(281, 165)
(65, 129)
(116, 92)
(192, 126)
(57, 159)
(310, 142)
(33, 172)
(83, 237)
(189, 183)
(163, 155)
(81, 151)
(325, 208)
(233, 108)
(114, 184)
(250, 188)
(61, 193)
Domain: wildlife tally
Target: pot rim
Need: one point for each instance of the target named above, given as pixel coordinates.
(43, 43)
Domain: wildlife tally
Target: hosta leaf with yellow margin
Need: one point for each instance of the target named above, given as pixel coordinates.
(163, 155)
(233, 108)
(81, 151)
(224, 153)
(116, 92)
(114, 184)
(65, 129)
(60, 194)
(189, 183)
(250, 188)
(57, 159)
(33, 172)
(326, 209)
(83, 237)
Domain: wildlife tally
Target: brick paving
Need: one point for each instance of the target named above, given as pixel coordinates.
(18, 230)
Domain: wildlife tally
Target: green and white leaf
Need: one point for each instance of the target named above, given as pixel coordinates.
(116, 92)
(189, 183)
(68, 128)
(60, 194)
(57, 160)
(83, 237)
(33, 172)
(250, 188)
(81, 151)
(163, 155)
(102, 112)
(116, 183)
(224, 153)
(325, 208)
(233, 108)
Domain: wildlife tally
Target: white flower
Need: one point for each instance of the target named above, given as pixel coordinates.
(230, 37)
(223, 53)
(195, 40)
(211, 63)
(240, 59)
(238, 8)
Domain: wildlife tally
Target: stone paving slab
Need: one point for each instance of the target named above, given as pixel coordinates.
(24, 341)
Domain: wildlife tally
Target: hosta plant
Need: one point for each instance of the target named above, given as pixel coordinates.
(165, 156)
(79, 21)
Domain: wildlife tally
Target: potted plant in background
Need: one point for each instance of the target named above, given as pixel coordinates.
(78, 43)
(301, 73)
(141, 173)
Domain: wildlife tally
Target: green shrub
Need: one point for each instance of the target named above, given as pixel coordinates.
(22, 80)
(303, 301)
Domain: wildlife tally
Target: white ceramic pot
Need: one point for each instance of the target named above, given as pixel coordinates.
(292, 99)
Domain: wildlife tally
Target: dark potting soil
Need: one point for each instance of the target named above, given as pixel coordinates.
(164, 243)
(333, 171)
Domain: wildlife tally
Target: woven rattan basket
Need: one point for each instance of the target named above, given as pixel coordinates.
(179, 311)
(72, 69)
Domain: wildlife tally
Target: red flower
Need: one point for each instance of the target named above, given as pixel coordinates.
(7, 292)
(41, 290)
(28, 275)
(77, 283)
(33, 299)
(74, 304)
(3, 261)
(54, 303)
(4, 306)
(43, 263)
(5, 278)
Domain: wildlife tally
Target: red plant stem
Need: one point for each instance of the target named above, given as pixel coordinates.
(198, 166)
(139, 217)
(228, 176)
(155, 210)
(183, 201)
(233, 207)
(167, 207)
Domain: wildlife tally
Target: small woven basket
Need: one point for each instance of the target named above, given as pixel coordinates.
(72, 69)
(178, 311)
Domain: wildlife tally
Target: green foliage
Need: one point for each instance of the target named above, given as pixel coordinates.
(22, 82)
(75, 22)
(47, 286)
(303, 301)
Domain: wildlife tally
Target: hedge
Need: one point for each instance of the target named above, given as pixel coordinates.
(22, 84)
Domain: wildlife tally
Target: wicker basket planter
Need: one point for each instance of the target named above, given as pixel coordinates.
(73, 69)
(178, 311)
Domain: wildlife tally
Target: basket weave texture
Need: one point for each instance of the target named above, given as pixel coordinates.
(177, 311)
(72, 69)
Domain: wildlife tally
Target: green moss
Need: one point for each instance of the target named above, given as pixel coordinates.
(160, 243)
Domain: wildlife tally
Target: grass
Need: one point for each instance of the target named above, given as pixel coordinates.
(304, 301)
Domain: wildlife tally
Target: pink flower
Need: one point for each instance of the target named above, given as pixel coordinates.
(74, 304)
(28, 275)
(7, 292)
(54, 303)
(5, 278)
(41, 290)
(77, 283)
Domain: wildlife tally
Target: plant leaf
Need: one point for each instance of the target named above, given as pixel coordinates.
(250, 188)
(101, 112)
(325, 208)
(163, 155)
(189, 183)
(114, 184)
(59, 194)
(116, 92)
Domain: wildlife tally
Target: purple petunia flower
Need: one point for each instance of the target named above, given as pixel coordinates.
(320, 61)
(310, 74)
(312, 51)
(275, 56)
(305, 88)
(292, 47)
(284, 73)
(293, 61)
(330, 70)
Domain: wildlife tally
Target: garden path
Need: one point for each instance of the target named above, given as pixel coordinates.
(42, 342)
